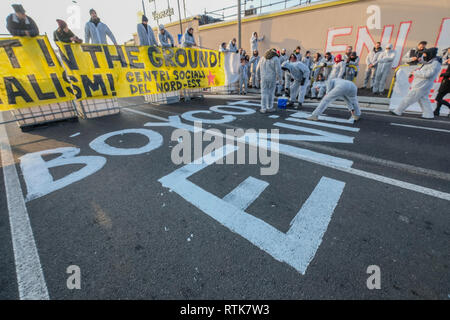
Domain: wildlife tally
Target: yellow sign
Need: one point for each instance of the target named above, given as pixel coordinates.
(30, 73)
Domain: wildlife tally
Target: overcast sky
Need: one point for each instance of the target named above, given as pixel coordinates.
(120, 15)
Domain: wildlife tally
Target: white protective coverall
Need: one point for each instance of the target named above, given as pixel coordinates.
(337, 71)
(420, 88)
(253, 64)
(327, 65)
(232, 47)
(318, 89)
(371, 59)
(243, 78)
(299, 72)
(269, 72)
(384, 66)
(254, 42)
(339, 88)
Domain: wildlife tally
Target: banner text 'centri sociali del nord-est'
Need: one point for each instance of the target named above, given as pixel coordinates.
(31, 73)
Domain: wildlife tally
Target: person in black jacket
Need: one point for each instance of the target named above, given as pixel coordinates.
(21, 25)
(64, 34)
(444, 89)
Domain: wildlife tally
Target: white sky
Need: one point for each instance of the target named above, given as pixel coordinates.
(119, 15)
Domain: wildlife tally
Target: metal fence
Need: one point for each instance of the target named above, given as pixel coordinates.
(254, 7)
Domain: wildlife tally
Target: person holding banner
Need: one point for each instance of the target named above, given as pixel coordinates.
(165, 38)
(223, 47)
(64, 34)
(145, 33)
(232, 47)
(21, 25)
(96, 31)
(423, 82)
(188, 39)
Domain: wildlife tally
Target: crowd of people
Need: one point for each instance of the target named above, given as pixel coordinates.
(323, 77)
(331, 77)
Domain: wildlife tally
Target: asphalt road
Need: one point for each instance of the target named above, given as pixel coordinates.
(376, 193)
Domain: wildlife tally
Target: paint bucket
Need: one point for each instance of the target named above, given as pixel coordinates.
(282, 102)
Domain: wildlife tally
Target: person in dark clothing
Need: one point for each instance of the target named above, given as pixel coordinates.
(444, 89)
(64, 34)
(21, 25)
(414, 56)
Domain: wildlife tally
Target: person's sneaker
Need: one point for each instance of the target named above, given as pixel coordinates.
(355, 117)
(272, 110)
(313, 118)
(289, 104)
(429, 118)
(394, 113)
(262, 111)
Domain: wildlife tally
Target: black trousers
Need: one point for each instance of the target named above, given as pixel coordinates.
(440, 101)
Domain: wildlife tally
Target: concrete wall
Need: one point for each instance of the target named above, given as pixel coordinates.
(312, 27)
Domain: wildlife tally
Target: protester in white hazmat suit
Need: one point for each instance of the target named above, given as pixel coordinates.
(384, 66)
(269, 72)
(223, 47)
(338, 69)
(319, 87)
(232, 47)
(243, 77)
(254, 60)
(371, 70)
(327, 64)
(423, 81)
(299, 72)
(339, 88)
(254, 41)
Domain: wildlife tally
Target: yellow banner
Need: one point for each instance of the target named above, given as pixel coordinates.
(32, 75)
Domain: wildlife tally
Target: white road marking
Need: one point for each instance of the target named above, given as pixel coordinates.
(38, 178)
(297, 247)
(324, 124)
(321, 159)
(75, 135)
(145, 114)
(418, 127)
(320, 135)
(274, 117)
(246, 193)
(304, 115)
(30, 277)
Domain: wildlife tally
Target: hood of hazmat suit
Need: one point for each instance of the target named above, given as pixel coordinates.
(269, 69)
(424, 76)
